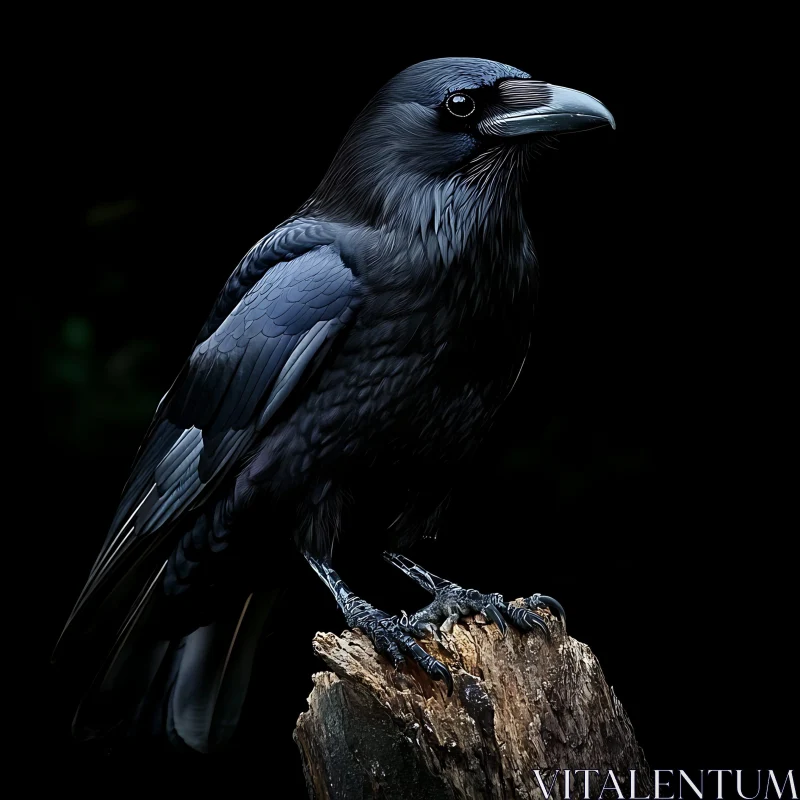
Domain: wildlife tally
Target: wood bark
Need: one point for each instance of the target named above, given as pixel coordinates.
(521, 703)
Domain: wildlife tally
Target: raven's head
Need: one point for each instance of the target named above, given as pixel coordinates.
(466, 118)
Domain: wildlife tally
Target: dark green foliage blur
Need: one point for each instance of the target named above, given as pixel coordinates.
(101, 380)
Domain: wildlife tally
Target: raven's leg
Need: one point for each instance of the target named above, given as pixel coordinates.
(451, 601)
(384, 631)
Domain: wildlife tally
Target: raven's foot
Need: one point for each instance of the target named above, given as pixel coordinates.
(452, 602)
(385, 632)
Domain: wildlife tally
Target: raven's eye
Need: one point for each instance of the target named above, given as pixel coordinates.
(460, 105)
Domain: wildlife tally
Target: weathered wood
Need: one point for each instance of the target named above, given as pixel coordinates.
(520, 704)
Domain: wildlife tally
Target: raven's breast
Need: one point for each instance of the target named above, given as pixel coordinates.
(409, 383)
(422, 384)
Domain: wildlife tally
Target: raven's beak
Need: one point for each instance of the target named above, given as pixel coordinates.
(528, 106)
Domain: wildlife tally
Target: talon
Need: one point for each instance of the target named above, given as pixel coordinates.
(551, 603)
(534, 619)
(494, 615)
(432, 666)
(439, 672)
(526, 619)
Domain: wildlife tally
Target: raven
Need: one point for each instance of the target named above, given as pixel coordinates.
(372, 337)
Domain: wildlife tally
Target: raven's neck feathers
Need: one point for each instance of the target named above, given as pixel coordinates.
(471, 218)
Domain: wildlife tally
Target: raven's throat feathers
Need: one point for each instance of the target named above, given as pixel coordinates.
(470, 221)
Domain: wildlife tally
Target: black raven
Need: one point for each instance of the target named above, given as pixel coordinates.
(372, 337)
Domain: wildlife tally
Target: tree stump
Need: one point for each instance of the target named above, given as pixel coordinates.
(519, 704)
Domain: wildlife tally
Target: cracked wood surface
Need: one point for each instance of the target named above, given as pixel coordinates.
(520, 703)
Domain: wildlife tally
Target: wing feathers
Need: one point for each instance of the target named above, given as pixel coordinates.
(252, 359)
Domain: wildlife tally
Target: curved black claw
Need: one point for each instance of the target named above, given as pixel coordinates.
(452, 601)
(526, 619)
(539, 600)
(492, 612)
(432, 666)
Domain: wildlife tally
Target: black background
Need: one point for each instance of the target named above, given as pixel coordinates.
(635, 472)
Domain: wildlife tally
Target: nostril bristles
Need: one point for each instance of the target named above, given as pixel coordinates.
(524, 93)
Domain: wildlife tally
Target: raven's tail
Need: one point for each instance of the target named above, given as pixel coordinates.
(190, 689)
